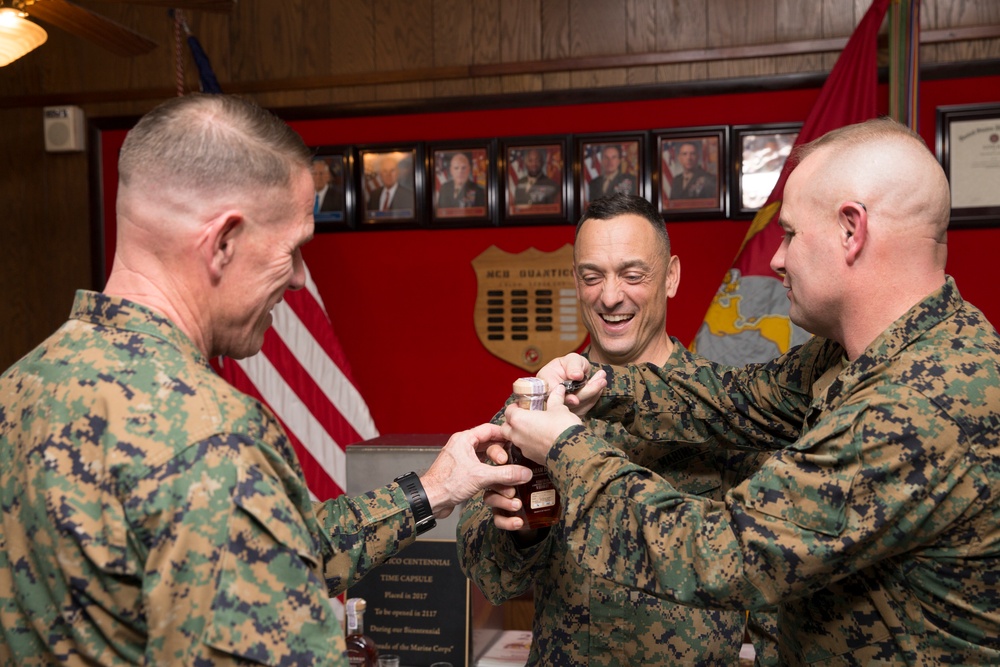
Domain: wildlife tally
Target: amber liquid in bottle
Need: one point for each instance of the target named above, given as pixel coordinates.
(361, 649)
(539, 498)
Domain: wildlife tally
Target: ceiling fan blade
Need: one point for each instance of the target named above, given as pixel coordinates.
(207, 5)
(94, 27)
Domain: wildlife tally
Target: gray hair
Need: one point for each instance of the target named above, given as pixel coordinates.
(211, 142)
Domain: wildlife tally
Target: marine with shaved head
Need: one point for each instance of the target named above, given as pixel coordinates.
(875, 525)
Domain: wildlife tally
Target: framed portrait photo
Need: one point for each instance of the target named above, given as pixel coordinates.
(689, 171)
(333, 204)
(609, 164)
(536, 180)
(462, 183)
(759, 154)
(390, 186)
(968, 147)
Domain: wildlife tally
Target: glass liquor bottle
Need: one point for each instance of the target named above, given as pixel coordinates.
(539, 498)
(361, 649)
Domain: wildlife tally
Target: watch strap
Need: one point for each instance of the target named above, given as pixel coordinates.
(421, 506)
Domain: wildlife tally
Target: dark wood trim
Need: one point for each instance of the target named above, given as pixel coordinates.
(569, 97)
(497, 69)
(778, 49)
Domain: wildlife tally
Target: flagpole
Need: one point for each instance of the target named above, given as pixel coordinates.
(904, 61)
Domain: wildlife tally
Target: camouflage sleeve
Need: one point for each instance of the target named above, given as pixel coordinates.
(816, 512)
(492, 559)
(363, 532)
(231, 573)
(758, 407)
(489, 556)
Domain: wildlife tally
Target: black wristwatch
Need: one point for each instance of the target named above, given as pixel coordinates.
(421, 506)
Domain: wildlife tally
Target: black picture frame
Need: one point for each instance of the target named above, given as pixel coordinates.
(968, 148)
(593, 151)
(374, 164)
(758, 155)
(705, 195)
(334, 209)
(475, 203)
(546, 201)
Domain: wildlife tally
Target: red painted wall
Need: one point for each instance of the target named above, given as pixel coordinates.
(401, 302)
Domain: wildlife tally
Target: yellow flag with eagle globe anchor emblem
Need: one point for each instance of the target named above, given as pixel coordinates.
(748, 321)
(526, 310)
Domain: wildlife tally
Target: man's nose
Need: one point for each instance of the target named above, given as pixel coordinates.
(611, 293)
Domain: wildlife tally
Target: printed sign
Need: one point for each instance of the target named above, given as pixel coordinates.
(418, 605)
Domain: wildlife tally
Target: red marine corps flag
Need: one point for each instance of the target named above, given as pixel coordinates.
(748, 319)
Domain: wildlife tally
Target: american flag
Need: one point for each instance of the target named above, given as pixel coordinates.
(301, 372)
(591, 164)
(440, 172)
(668, 163)
(516, 171)
(302, 375)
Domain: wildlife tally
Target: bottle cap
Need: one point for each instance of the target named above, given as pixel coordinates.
(354, 608)
(531, 386)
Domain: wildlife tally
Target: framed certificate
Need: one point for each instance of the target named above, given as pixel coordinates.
(968, 147)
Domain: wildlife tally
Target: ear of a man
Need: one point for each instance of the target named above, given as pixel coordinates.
(220, 242)
(854, 229)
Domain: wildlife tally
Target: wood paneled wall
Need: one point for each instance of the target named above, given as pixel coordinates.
(358, 53)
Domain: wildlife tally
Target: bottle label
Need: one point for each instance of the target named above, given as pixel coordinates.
(540, 499)
(533, 402)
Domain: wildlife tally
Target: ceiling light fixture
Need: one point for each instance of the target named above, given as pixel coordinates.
(18, 35)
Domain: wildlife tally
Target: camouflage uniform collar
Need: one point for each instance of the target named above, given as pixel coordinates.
(118, 313)
(934, 309)
(674, 358)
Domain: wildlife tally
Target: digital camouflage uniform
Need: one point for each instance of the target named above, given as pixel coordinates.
(152, 514)
(878, 528)
(581, 619)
